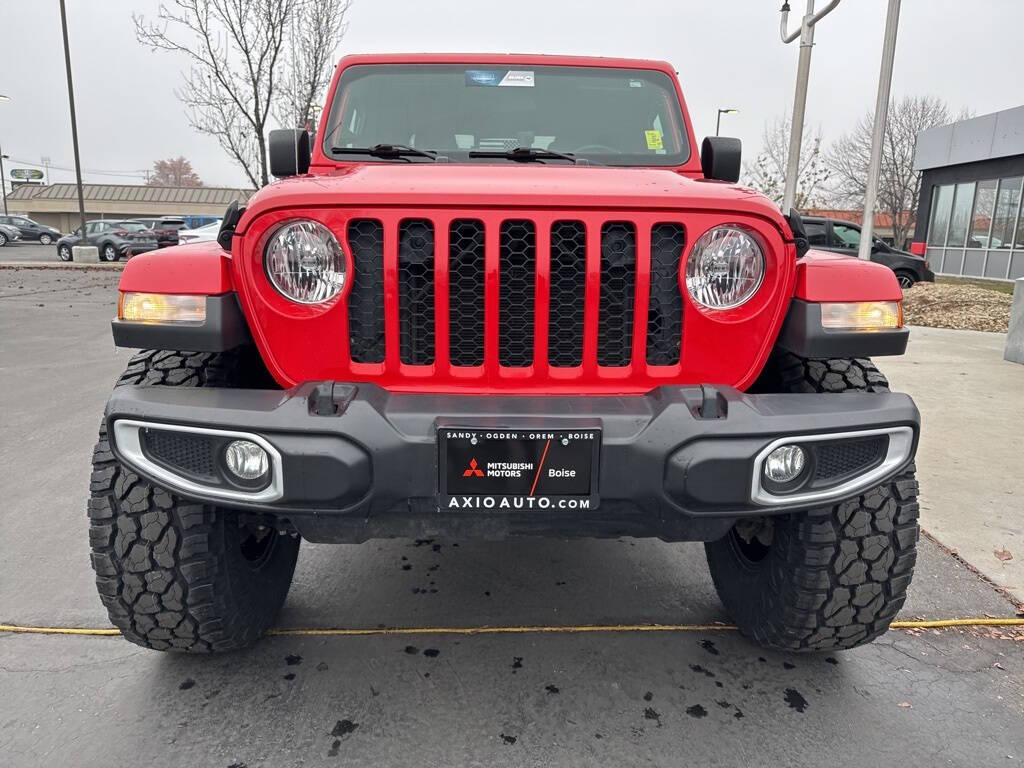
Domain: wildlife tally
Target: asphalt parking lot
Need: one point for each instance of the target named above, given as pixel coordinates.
(23, 252)
(698, 694)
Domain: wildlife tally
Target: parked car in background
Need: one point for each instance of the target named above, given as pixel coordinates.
(843, 237)
(8, 234)
(115, 239)
(165, 227)
(31, 230)
(203, 234)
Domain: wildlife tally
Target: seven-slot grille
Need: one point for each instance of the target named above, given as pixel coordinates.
(534, 316)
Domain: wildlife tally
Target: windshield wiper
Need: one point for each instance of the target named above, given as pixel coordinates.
(529, 154)
(386, 150)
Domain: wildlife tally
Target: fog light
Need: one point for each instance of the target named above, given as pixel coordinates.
(246, 460)
(784, 464)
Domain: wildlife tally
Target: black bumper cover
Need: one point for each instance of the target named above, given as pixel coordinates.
(675, 463)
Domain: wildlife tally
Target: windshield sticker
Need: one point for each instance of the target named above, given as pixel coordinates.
(491, 78)
(653, 139)
(636, 83)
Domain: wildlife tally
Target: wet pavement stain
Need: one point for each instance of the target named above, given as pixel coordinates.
(407, 567)
(788, 665)
(508, 739)
(343, 728)
(322, 667)
(412, 650)
(333, 751)
(709, 646)
(723, 704)
(701, 671)
(431, 653)
(292, 659)
(290, 676)
(517, 663)
(650, 713)
(552, 689)
(696, 711)
(186, 684)
(648, 696)
(795, 700)
(832, 660)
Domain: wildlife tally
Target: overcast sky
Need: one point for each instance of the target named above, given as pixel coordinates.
(727, 52)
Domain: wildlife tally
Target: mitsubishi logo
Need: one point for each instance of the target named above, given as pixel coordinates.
(474, 470)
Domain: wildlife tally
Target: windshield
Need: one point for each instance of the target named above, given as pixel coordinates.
(608, 116)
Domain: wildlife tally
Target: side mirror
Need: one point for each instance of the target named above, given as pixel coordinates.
(720, 158)
(289, 152)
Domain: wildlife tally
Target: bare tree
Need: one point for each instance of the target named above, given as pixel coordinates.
(238, 71)
(308, 65)
(173, 172)
(899, 185)
(767, 173)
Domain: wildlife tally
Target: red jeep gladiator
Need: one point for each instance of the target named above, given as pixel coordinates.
(497, 296)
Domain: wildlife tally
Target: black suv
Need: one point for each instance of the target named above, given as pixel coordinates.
(843, 237)
(114, 239)
(165, 227)
(32, 230)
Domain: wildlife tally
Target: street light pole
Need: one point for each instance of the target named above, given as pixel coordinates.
(892, 20)
(803, 72)
(718, 120)
(74, 122)
(3, 179)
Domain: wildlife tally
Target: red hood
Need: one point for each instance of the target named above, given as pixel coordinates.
(428, 185)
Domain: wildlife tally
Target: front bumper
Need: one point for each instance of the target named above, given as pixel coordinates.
(352, 462)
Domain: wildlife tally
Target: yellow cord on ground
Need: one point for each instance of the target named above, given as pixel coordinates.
(514, 630)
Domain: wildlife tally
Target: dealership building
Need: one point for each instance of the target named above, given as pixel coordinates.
(969, 219)
(56, 205)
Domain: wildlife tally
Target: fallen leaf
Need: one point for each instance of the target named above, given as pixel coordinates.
(905, 705)
(997, 665)
(1003, 554)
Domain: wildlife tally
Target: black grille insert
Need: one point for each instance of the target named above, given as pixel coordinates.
(838, 460)
(416, 291)
(568, 285)
(366, 294)
(466, 292)
(618, 283)
(184, 452)
(665, 309)
(517, 256)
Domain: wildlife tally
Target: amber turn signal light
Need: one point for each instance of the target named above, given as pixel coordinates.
(862, 315)
(161, 308)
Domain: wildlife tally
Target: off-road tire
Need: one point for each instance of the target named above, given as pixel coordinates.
(828, 578)
(174, 574)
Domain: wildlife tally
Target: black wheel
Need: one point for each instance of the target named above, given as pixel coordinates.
(109, 253)
(174, 574)
(45, 239)
(827, 578)
(3, 239)
(64, 252)
(906, 279)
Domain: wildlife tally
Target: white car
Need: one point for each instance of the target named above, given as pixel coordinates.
(203, 234)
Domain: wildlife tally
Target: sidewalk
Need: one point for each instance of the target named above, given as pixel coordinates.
(971, 458)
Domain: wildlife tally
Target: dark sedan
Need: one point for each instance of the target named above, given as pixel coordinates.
(31, 230)
(114, 239)
(843, 237)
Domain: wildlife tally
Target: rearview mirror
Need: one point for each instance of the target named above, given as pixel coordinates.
(289, 152)
(720, 158)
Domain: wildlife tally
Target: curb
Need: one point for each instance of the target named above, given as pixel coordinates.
(115, 267)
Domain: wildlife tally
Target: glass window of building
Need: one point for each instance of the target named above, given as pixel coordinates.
(942, 203)
(1007, 204)
(963, 203)
(981, 220)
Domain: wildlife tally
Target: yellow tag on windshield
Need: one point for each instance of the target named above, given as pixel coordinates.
(653, 139)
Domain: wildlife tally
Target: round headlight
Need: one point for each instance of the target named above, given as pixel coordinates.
(305, 263)
(725, 268)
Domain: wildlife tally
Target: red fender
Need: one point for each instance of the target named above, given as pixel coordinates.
(823, 276)
(197, 268)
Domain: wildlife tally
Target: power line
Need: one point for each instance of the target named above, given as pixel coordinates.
(139, 173)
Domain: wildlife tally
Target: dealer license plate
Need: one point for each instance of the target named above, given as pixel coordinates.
(518, 470)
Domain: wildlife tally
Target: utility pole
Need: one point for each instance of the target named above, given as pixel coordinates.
(803, 71)
(892, 21)
(74, 122)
